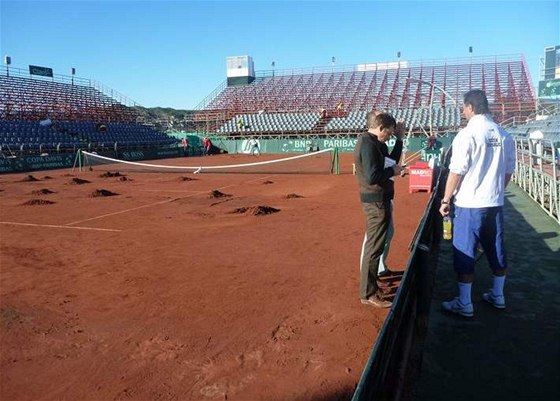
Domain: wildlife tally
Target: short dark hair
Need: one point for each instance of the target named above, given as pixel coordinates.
(477, 99)
(376, 119)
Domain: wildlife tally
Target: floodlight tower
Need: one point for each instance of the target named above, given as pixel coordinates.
(7, 61)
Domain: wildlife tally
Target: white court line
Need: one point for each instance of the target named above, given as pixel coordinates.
(161, 202)
(56, 226)
(122, 211)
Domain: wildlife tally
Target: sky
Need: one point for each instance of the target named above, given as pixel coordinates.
(173, 53)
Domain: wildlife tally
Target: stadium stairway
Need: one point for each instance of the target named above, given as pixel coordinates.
(319, 128)
(511, 354)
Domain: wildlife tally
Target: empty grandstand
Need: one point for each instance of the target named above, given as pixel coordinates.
(333, 101)
(57, 113)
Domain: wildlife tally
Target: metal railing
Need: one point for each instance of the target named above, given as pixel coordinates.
(208, 99)
(538, 172)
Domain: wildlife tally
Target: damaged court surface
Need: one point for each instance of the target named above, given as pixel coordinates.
(168, 290)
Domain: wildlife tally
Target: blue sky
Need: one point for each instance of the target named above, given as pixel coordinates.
(172, 53)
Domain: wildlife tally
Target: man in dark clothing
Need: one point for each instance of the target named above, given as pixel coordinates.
(375, 178)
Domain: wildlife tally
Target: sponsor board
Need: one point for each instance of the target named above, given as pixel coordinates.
(34, 163)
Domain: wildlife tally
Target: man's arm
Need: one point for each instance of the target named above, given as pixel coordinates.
(453, 181)
(397, 149)
(510, 158)
(508, 178)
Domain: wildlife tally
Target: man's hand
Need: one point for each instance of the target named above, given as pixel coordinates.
(397, 169)
(444, 209)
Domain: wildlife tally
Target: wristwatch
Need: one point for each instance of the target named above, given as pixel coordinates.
(444, 202)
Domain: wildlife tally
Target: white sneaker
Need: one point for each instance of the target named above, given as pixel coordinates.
(497, 301)
(455, 306)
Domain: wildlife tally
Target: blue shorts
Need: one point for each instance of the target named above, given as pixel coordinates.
(472, 226)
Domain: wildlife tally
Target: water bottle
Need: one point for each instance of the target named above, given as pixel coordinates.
(447, 228)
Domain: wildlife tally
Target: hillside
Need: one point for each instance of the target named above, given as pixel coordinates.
(166, 118)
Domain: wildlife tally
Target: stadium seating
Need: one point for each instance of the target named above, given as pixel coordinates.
(21, 137)
(443, 118)
(548, 125)
(76, 112)
(33, 99)
(271, 104)
(270, 123)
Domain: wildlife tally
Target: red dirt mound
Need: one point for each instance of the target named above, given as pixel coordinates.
(102, 192)
(187, 179)
(293, 196)
(30, 178)
(47, 177)
(33, 202)
(267, 182)
(79, 181)
(256, 210)
(124, 178)
(110, 174)
(43, 191)
(217, 194)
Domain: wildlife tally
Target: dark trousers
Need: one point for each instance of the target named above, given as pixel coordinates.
(378, 217)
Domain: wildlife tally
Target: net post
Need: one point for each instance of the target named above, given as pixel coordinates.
(335, 166)
(78, 159)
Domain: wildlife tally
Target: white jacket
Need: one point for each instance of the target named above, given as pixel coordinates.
(483, 153)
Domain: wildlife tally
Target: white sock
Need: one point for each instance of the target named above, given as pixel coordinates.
(498, 285)
(465, 293)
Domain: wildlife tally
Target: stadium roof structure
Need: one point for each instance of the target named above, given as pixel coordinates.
(396, 85)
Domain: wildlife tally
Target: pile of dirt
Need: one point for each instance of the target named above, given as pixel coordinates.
(33, 202)
(187, 179)
(293, 196)
(30, 178)
(79, 181)
(267, 182)
(102, 192)
(217, 194)
(47, 177)
(110, 174)
(43, 191)
(256, 210)
(124, 178)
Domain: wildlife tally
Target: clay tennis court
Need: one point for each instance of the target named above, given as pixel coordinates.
(187, 286)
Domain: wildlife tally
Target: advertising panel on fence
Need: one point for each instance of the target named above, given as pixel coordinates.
(32, 163)
(344, 144)
(147, 154)
(66, 160)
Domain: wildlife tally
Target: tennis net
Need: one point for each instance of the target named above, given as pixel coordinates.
(321, 162)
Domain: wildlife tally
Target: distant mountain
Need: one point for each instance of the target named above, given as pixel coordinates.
(166, 118)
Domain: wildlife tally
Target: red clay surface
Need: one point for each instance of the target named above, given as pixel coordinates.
(165, 292)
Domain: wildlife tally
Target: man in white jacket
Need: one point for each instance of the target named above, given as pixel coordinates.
(482, 162)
